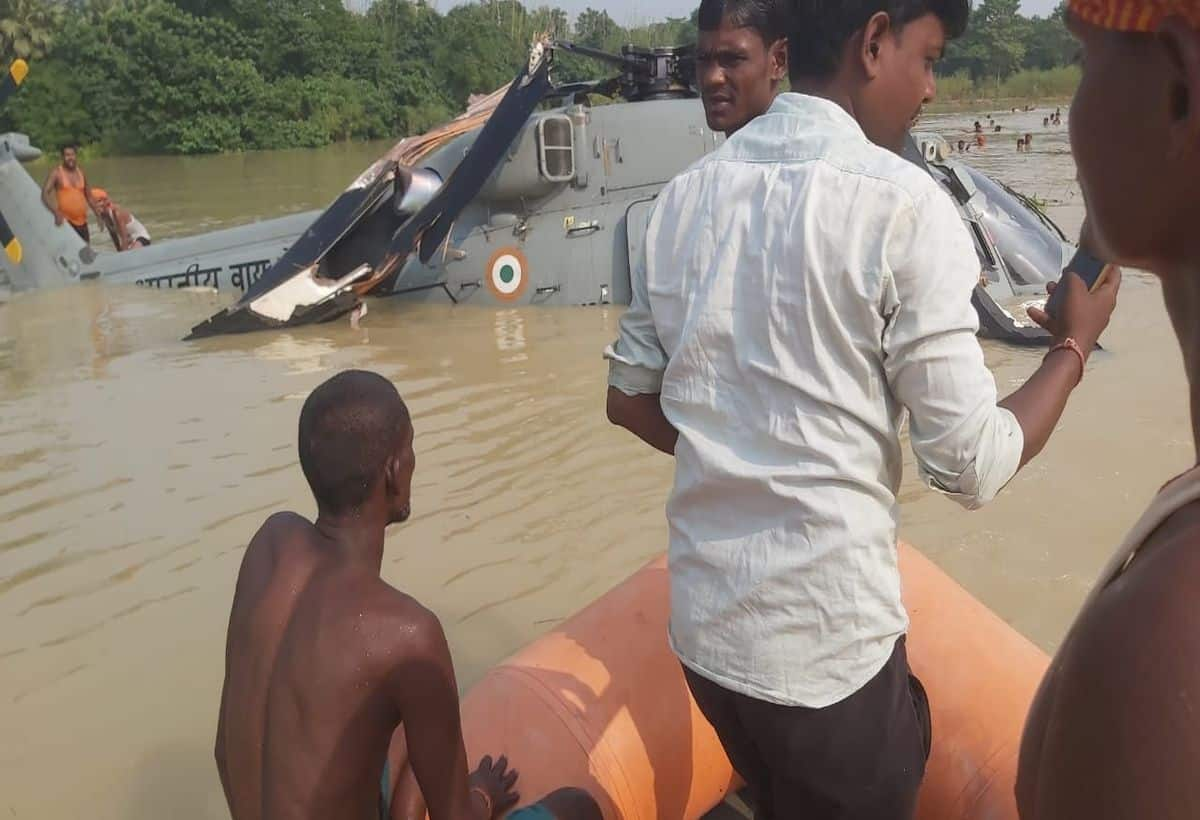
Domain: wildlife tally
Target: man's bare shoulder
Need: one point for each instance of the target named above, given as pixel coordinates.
(281, 529)
(404, 620)
(405, 637)
(1161, 580)
(286, 521)
(1151, 606)
(1125, 718)
(281, 535)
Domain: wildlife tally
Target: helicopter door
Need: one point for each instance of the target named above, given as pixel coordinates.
(645, 147)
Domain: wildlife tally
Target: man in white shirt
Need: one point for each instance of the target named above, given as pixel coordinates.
(802, 288)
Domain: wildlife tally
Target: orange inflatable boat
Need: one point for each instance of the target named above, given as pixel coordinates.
(600, 703)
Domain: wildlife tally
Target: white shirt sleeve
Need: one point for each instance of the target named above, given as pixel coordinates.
(966, 446)
(636, 360)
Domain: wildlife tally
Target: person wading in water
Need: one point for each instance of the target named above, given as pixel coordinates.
(68, 196)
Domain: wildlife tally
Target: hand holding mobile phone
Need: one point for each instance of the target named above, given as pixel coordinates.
(1093, 272)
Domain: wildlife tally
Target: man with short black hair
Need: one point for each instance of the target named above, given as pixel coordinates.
(800, 290)
(741, 59)
(67, 194)
(325, 660)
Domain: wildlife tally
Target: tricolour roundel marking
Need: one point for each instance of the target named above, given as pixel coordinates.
(508, 274)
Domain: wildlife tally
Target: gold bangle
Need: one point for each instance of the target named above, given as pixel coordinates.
(487, 801)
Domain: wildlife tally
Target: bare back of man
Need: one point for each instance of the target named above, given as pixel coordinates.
(325, 661)
(297, 608)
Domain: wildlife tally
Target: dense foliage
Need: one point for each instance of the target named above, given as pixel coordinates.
(194, 76)
(1000, 42)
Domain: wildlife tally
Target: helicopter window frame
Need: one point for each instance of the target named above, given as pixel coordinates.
(552, 153)
(983, 246)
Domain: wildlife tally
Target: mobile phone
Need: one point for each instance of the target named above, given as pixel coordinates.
(1092, 270)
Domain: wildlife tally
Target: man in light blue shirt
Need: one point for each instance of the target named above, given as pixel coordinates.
(804, 289)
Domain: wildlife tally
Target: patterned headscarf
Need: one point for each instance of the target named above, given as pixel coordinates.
(1135, 15)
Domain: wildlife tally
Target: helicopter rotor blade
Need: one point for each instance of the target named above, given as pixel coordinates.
(296, 291)
(606, 88)
(596, 54)
(429, 228)
(487, 152)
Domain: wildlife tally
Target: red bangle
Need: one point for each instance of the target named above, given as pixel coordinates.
(1073, 346)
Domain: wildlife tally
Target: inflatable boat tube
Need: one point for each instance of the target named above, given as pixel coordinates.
(600, 703)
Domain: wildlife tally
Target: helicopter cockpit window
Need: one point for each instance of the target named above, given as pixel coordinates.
(556, 148)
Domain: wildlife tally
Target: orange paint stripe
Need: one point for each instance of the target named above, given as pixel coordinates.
(1134, 15)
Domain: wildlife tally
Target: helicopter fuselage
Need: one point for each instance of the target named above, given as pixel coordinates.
(557, 221)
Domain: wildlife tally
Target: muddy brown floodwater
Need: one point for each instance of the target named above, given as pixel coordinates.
(135, 467)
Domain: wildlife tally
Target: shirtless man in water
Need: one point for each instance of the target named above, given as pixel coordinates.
(68, 196)
(325, 661)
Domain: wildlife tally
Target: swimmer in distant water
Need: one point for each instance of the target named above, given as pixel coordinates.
(1028, 142)
(962, 146)
(325, 661)
(1046, 122)
(978, 127)
(1021, 145)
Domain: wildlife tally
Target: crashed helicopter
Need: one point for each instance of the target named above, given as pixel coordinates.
(538, 197)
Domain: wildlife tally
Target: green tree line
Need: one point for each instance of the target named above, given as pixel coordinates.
(1000, 42)
(198, 76)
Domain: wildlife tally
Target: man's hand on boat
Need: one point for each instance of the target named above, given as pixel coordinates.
(492, 785)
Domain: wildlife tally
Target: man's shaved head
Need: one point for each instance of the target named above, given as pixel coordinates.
(350, 428)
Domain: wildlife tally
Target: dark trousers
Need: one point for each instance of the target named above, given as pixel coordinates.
(860, 759)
